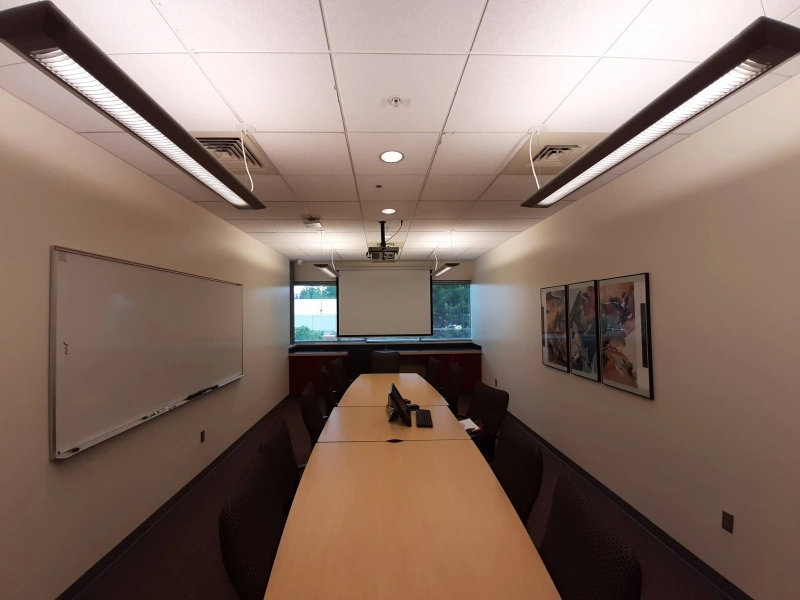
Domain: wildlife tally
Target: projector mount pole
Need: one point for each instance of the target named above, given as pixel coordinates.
(383, 240)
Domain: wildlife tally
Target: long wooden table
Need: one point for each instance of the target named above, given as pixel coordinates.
(373, 390)
(421, 520)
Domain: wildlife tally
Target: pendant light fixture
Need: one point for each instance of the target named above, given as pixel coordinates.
(44, 36)
(758, 49)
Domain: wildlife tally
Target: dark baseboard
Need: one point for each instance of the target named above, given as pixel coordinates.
(77, 588)
(720, 582)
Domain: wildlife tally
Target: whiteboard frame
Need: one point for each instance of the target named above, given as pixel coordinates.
(54, 256)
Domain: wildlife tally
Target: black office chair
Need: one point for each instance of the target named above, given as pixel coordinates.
(586, 559)
(518, 466)
(251, 523)
(489, 406)
(312, 415)
(432, 371)
(339, 375)
(359, 360)
(282, 467)
(385, 362)
(329, 395)
(452, 386)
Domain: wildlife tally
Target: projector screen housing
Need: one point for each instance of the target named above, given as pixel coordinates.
(380, 302)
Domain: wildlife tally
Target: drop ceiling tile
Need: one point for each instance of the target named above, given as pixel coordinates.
(576, 27)
(247, 25)
(418, 26)
(178, 85)
(512, 187)
(500, 236)
(134, 152)
(268, 188)
(442, 210)
(615, 90)
(499, 210)
(704, 27)
(415, 245)
(335, 227)
(251, 226)
(276, 211)
(420, 225)
(486, 245)
(410, 254)
(306, 237)
(7, 57)
(520, 224)
(286, 225)
(425, 83)
(282, 246)
(314, 249)
(447, 245)
(334, 210)
(473, 253)
(351, 245)
(473, 225)
(455, 187)
(225, 210)
(339, 238)
(190, 188)
(307, 153)
(351, 255)
(278, 92)
(467, 236)
(417, 150)
(45, 95)
(269, 238)
(794, 18)
(791, 67)
(513, 93)
(372, 212)
(391, 225)
(475, 153)
(323, 188)
(780, 9)
(132, 26)
(392, 187)
(426, 236)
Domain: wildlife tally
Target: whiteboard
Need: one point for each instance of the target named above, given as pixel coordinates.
(130, 342)
(388, 301)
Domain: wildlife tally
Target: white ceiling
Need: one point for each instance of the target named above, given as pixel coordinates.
(314, 78)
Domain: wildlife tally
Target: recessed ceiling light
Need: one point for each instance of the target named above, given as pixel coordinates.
(392, 156)
(388, 211)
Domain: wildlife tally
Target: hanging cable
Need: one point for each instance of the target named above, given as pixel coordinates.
(396, 232)
(530, 154)
(244, 154)
(436, 266)
(333, 264)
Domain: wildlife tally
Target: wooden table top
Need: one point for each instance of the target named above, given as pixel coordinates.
(383, 521)
(371, 424)
(373, 390)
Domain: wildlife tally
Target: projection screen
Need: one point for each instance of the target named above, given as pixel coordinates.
(385, 302)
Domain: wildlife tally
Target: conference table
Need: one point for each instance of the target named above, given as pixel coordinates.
(423, 518)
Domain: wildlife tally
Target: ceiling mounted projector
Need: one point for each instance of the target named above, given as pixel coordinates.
(313, 223)
(383, 252)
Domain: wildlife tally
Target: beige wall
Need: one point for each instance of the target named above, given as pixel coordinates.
(308, 272)
(716, 222)
(58, 519)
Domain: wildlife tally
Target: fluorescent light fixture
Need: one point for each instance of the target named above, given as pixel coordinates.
(445, 268)
(392, 156)
(326, 268)
(388, 211)
(41, 34)
(758, 49)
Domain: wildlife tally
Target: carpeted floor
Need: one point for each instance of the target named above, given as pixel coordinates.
(179, 558)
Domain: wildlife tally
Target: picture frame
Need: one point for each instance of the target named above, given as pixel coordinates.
(583, 330)
(626, 350)
(555, 342)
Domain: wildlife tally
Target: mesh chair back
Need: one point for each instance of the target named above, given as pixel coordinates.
(339, 375)
(452, 385)
(359, 359)
(250, 526)
(518, 466)
(385, 362)
(432, 372)
(490, 406)
(312, 415)
(586, 559)
(327, 390)
(282, 466)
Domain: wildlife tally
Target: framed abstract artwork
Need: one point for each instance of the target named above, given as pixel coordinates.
(555, 343)
(626, 352)
(583, 330)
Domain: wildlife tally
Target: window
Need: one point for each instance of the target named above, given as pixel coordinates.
(315, 313)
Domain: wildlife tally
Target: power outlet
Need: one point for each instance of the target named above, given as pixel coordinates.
(495, 383)
(203, 436)
(727, 521)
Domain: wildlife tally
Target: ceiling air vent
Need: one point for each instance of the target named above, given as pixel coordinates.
(226, 147)
(559, 156)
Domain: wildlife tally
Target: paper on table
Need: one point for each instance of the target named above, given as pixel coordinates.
(468, 424)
